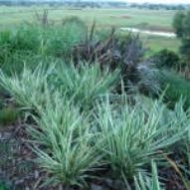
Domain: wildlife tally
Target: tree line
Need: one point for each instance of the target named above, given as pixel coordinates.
(95, 4)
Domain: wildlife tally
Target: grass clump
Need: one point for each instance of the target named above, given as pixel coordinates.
(60, 40)
(132, 136)
(146, 183)
(29, 41)
(85, 84)
(27, 88)
(70, 154)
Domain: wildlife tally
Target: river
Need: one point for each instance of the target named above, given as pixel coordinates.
(149, 32)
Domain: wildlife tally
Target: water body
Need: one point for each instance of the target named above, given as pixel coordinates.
(149, 32)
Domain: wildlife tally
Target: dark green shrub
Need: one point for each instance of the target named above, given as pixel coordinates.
(16, 44)
(166, 58)
(8, 116)
(5, 37)
(176, 88)
(19, 59)
(60, 40)
(3, 187)
(49, 40)
(5, 46)
(181, 25)
(185, 50)
(30, 44)
(178, 23)
(25, 37)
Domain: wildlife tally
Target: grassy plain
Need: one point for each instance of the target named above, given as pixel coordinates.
(155, 44)
(159, 20)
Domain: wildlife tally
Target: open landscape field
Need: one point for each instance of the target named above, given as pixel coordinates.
(156, 20)
(149, 19)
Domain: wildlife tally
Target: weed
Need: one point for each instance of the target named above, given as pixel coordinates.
(8, 116)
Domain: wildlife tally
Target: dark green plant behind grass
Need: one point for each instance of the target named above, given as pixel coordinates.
(3, 187)
(30, 43)
(176, 87)
(8, 116)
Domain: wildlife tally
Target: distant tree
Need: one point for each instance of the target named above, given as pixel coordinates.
(181, 25)
(180, 7)
(178, 24)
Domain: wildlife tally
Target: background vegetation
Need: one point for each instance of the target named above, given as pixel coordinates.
(157, 20)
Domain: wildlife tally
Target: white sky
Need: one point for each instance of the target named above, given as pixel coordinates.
(160, 1)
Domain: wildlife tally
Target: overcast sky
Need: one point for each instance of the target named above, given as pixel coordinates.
(160, 1)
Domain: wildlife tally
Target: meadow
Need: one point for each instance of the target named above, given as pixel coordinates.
(158, 20)
(82, 106)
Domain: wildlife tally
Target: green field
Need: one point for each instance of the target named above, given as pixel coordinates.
(159, 20)
(156, 20)
(155, 44)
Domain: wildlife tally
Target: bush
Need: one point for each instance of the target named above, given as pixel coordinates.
(3, 186)
(69, 154)
(83, 85)
(29, 42)
(175, 88)
(61, 39)
(181, 24)
(25, 37)
(166, 58)
(130, 142)
(8, 116)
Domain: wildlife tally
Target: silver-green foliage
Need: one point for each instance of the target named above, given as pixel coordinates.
(27, 88)
(84, 84)
(148, 183)
(69, 150)
(67, 137)
(133, 135)
(71, 143)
